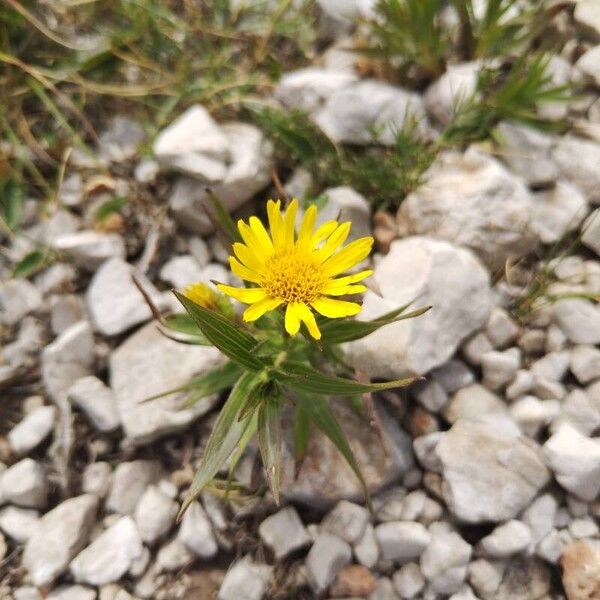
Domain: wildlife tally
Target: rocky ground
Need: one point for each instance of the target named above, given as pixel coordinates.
(487, 483)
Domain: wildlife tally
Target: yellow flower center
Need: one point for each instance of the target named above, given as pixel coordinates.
(293, 275)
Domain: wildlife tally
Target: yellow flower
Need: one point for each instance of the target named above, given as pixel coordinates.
(201, 294)
(298, 271)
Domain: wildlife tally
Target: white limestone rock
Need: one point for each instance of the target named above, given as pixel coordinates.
(248, 171)
(455, 86)
(129, 483)
(18, 298)
(425, 271)
(59, 536)
(591, 232)
(110, 555)
(527, 151)
(351, 114)
(325, 477)
(97, 402)
(180, 271)
(445, 560)
(402, 541)
(585, 363)
(196, 532)
(307, 89)
(346, 520)
(487, 474)
(155, 514)
(472, 200)
(114, 302)
(327, 557)
(89, 249)
(18, 523)
(194, 144)
(575, 461)
(32, 430)
(507, 539)
(579, 320)
(284, 532)
(68, 358)
(245, 579)
(557, 212)
(25, 484)
(147, 364)
(72, 592)
(578, 159)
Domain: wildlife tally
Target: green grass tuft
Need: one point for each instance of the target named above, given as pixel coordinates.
(384, 175)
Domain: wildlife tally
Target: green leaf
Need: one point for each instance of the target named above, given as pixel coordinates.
(224, 438)
(252, 403)
(303, 377)
(301, 434)
(322, 415)
(223, 218)
(12, 203)
(209, 383)
(249, 431)
(182, 323)
(269, 441)
(212, 382)
(336, 331)
(109, 207)
(232, 341)
(31, 263)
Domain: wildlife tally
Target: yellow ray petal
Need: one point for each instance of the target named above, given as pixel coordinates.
(322, 232)
(349, 256)
(348, 279)
(292, 319)
(258, 309)
(275, 222)
(307, 317)
(260, 233)
(246, 295)
(335, 308)
(289, 223)
(248, 258)
(306, 227)
(243, 272)
(334, 241)
(344, 289)
(251, 240)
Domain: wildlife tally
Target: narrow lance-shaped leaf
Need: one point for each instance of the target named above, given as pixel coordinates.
(301, 376)
(249, 431)
(336, 331)
(301, 435)
(252, 403)
(224, 437)
(269, 441)
(232, 341)
(322, 415)
(222, 217)
(209, 383)
(214, 381)
(182, 323)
